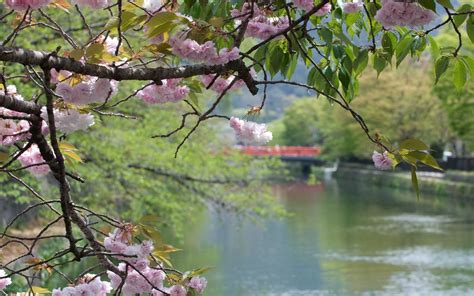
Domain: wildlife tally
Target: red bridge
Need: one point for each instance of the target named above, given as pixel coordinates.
(305, 156)
(282, 151)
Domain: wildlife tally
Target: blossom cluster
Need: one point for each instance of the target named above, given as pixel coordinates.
(382, 161)
(12, 131)
(260, 25)
(141, 277)
(119, 242)
(152, 5)
(95, 4)
(82, 90)
(352, 7)
(4, 281)
(92, 285)
(25, 4)
(220, 84)
(204, 53)
(198, 284)
(307, 5)
(405, 14)
(69, 120)
(168, 91)
(249, 132)
(33, 160)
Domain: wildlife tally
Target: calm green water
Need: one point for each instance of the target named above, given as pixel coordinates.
(344, 239)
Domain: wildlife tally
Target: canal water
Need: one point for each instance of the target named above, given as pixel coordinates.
(342, 239)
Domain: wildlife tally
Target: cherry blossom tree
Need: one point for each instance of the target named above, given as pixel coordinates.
(79, 54)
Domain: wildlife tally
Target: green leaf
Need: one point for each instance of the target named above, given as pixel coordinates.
(111, 23)
(345, 79)
(423, 157)
(326, 34)
(469, 61)
(459, 75)
(39, 290)
(198, 271)
(413, 144)
(361, 61)
(431, 161)
(414, 182)
(69, 151)
(76, 54)
(311, 79)
(292, 66)
(429, 4)
(434, 47)
(379, 63)
(217, 22)
(445, 3)
(151, 233)
(158, 30)
(94, 52)
(441, 66)
(470, 28)
(403, 48)
(161, 18)
(4, 156)
(387, 43)
(459, 19)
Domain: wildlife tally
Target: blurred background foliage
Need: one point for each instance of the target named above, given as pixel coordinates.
(400, 104)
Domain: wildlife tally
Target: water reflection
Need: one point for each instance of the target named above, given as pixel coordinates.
(343, 239)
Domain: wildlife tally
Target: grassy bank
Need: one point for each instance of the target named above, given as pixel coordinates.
(451, 183)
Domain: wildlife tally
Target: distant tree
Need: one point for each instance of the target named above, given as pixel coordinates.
(300, 124)
(459, 104)
(399, 103)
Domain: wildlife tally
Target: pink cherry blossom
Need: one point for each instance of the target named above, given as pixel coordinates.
(95, 4)
(169, 91)
(69, 121)
(32, 156)
(138, 282)
(304, 4)
(110, 44)
(406, 14)
(153, 5)
(177, 290)
(24, 4)
(91, 286)
(89, 90)
(158, 293)
(4, 281)
(12, 132)
(263, 27)
(352, 7)
(220, 84)
(247, 10)
(205, 53)
(141, 278)
(324, 10)
(382, 161)
(198, 283)
(260, 25)
(249, 132)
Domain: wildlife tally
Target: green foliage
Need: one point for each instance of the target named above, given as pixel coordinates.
(114, 145)
(458, 103)
(397, 104)
(300, 124)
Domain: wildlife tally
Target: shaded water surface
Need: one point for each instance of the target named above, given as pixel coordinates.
(343, 239)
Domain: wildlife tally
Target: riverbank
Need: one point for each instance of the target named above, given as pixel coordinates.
(457, 184)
